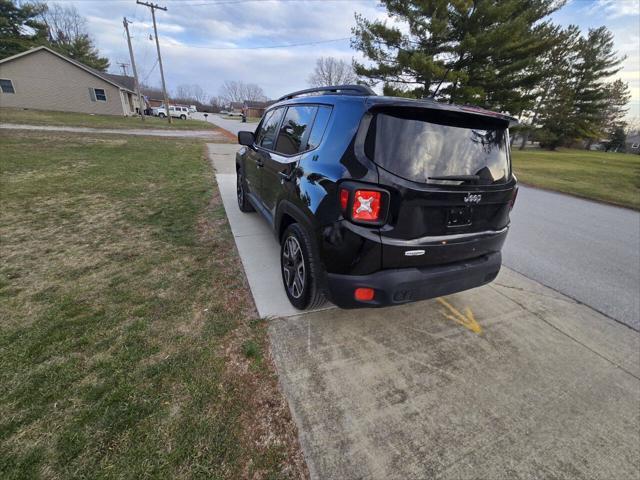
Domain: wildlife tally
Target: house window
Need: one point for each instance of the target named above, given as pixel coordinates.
(6, 86)
(101, 95)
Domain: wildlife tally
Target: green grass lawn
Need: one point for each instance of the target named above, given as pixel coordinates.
(69, 119)
(129, 347)
(608, 177)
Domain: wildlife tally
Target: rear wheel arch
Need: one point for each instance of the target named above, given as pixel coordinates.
(288, 213)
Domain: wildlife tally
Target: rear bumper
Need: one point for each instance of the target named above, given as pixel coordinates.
(403, 285)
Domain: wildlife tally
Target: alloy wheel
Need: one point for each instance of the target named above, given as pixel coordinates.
(293, 267)
(240, 189)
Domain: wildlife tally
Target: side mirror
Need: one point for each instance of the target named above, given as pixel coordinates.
(246, 138)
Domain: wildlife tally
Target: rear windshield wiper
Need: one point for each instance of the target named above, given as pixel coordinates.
(462, 178)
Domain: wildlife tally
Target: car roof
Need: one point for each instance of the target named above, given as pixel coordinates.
(349, 93)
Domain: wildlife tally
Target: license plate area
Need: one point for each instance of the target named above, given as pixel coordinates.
(459, 217)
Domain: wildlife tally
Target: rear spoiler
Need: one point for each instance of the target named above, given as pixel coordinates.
(513, 121)
(390, 102)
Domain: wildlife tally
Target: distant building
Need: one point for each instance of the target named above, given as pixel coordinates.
(254, 108)
(632, 143)
(43, 79)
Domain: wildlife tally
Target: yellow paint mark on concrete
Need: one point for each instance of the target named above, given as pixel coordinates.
(465, 319)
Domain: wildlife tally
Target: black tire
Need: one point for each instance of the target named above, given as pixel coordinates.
(183, 117)
(161, 115)
(241, 193)
(304, 291)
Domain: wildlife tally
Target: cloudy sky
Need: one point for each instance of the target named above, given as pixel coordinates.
(210, 41)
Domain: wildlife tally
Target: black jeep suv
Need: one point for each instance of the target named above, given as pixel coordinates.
(379, 200)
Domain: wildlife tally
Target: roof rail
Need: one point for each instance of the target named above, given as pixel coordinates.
(332, 89)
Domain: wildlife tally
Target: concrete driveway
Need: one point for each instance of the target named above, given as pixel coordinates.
(511, 380)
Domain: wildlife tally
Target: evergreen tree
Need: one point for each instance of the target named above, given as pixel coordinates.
(616, 107)
(28, 25)
(581, 105)
(551, 116)
(618, 140)
(82, 49)
(485, 51)
(20, 28)
(598, 61)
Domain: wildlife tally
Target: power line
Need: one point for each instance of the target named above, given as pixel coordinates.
(286, 45)
(234, 2)
(150, 72)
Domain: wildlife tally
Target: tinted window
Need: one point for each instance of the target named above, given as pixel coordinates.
(260, 130)
(417, 149)
(270, 128)
(295, 129)
(319, 126)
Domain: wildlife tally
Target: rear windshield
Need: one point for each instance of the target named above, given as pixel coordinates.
(416, 150)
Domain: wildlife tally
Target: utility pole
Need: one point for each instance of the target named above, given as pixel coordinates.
(123, 66)
(125, 22)
(153, 7)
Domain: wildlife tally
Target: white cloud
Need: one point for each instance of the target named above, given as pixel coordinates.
(185, 32)
(617, 8)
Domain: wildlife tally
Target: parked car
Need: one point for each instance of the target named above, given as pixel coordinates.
(192, 109)
(175, 111)
(379, 200)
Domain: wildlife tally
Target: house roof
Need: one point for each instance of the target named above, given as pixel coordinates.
(128, 83)
(120, 81)
(251, 104)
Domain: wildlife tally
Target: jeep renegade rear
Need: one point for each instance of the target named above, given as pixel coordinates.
(379, 200)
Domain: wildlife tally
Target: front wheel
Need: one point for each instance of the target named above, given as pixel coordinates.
(241, 193)
(301, 269)
(161, 115)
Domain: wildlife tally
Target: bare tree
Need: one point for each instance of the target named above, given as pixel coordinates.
(238, 91)
(191, 92)
(64, 23)
(217, 103)
(332, 71)
(151, 91)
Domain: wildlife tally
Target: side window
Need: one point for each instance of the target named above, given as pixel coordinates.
(101, 95)
(319, 126)
(6, 86)
(295, 129)
(270, 128)
(260, 131)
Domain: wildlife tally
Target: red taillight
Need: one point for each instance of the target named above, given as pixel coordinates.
(344, 198)
(366, 205)
(364, 294)
(512, 202)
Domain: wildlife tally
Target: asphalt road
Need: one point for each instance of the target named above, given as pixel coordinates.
(586, 250)
(233, 126)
